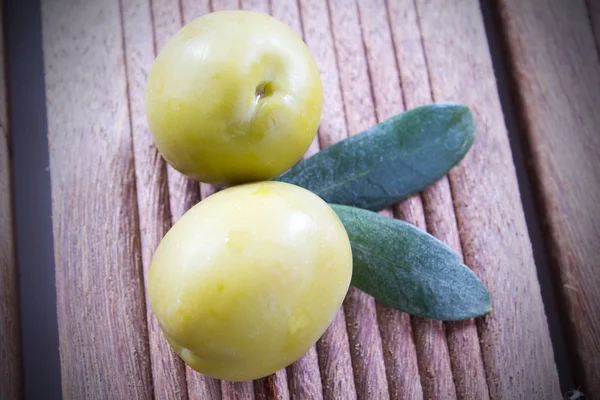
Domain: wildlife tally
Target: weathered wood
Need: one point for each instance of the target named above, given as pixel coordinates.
(399, 354)
(304, 377)
(556, 70)
(432, 352)
(361, 314)
(274, 386)
(168, 371)
(356, 41)
(517, 351)
(429, 335)
(263, 6)
(467, 370)
(333, 348)
(11, 380)
(220, 5)
(237, 390)
(287, 11)
(100, 298)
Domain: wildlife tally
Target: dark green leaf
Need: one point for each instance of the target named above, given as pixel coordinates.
(410, 270)
(391, 160)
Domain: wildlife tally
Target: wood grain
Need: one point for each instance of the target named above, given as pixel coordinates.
(556, 69)
(304, 377)
(375, 59)
(101, 310)
(361, 314)
(287, 11)
(237, 390)
(467, 370)
(517, 351)
(11, 380)
(168, 371)
(429, 335)
(333, 348)
(274, 386)
(464, 347)
(220, 5)
(434, 367)
(263, 6)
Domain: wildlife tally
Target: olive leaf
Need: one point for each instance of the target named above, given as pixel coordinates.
(391, 160)
(410, 270)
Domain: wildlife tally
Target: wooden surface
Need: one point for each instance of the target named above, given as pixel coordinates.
(113, 197)
(450, 358)
(11, 383)
(103, 337)
(489, 215)
(168, 371)
(557, 76)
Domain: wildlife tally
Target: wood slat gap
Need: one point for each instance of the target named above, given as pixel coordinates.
(337, 65)
(511, 108)
(530, 178)
(593, 8)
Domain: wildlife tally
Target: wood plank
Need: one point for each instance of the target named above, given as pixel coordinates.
(274, 386)
(100, 298)
(467, 370)
(556, 68)
(168, 370)
(220, 5)
(263, 6)
(434, 374)
(237, 390)
(517, 351)
(361, 315)
(11, 379)
(304, 377)
(464, 348)
(333, 348)
(287, 11)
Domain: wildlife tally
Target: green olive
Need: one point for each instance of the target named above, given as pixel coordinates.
(249, 279)
(233, 97)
